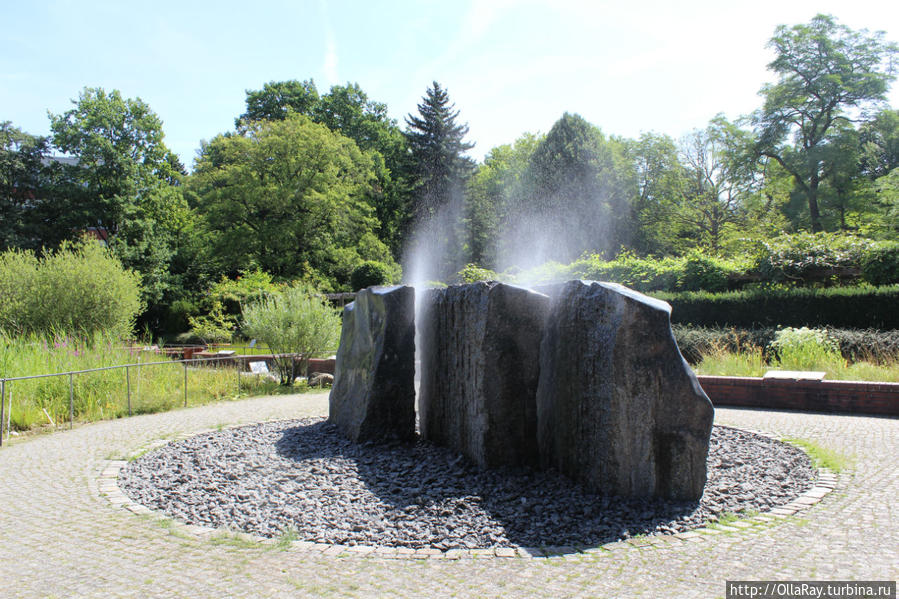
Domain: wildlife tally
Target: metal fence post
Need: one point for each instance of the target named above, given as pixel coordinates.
(71, 402)
(237, 369)
(185, 383)
(128, 384)
(2, 408)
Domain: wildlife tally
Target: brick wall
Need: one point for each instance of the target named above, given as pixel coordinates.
(805, 395)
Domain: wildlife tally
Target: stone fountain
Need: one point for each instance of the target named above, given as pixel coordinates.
(583, 377)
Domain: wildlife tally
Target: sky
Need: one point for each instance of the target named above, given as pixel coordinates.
(510, 66)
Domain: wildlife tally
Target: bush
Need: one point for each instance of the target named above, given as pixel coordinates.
(805, 349)
(472, 273)
(880, 266)
(82, 288)
(296, 320)
(703, 273)
(855, 345)
(370, 273)
(803, 257)
(838, 307)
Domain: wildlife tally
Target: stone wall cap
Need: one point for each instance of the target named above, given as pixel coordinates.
(796, 375)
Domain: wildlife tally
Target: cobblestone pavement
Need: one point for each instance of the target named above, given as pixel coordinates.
(60, 538)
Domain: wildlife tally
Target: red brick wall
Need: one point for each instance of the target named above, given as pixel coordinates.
(814, 396)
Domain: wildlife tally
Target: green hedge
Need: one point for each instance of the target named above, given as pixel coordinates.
(840, 307)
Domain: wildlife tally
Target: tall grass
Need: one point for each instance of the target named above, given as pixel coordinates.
(722, 362)
(104, 394)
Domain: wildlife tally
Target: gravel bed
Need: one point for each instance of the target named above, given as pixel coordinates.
(301, 476)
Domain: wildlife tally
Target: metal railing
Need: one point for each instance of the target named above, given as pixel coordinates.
(5, 414)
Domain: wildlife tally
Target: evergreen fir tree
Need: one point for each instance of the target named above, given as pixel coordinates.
(437, 147)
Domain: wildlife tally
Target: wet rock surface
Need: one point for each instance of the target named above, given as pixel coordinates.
(618, 408)
(373, 397)
(303, 476)
(480, 355)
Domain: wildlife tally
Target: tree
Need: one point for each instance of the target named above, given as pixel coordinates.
(579, 187)
(879, 140)
(660, 181)
(23, 185)
(276, 100)
(825, 72)
(124, 180)
(287, 197)
(437, 146)
(493, 189)
(295, 321)
(81, 288)
(346, 109)
(719, 176)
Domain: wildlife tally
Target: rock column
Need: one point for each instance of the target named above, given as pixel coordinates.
(618, 408)
(480, 359)
(373, 396)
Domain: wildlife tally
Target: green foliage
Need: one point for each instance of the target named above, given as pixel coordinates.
(214, 327)
(248, 286)
(370, 273)
(287, 197)
(803, 257)
(437, 147)
(702, 272)
(81, 288)
(578, 188)
(880, 265)
(293, 321)
(472, 273)
(825, 70)
(125, 180)
(24, 181)
(347, 110)
(840, 307)
(805, 349)
(104, 394)
(855, 345)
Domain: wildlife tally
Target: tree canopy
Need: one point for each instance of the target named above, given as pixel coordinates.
(288, 197)
(825, 72)
(437, 145)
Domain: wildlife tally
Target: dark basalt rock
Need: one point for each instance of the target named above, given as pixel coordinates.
(480, 355)
(618, 408)
(373, 397)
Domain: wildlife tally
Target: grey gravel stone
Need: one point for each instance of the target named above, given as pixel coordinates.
(303, 476)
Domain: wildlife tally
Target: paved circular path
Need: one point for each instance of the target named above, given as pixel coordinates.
(60, 538)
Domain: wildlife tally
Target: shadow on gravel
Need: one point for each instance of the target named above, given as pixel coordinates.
(418, 494)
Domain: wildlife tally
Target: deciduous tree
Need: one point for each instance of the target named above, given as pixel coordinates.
(826, 74)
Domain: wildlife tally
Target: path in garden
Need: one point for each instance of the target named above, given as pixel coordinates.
(60, 538)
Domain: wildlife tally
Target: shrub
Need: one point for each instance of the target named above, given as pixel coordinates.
(294, 321)
(370, 273)
(215, 327)
(703, 273)
(472, 273)
(81, 288)
(803, 257)
(805, 349)
(855, 345)
(880, 266)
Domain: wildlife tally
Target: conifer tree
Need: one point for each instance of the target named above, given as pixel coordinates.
(437, 146)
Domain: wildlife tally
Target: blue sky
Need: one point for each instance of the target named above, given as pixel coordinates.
(510, 67)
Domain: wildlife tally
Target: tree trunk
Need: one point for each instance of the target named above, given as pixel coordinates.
(814, 214)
